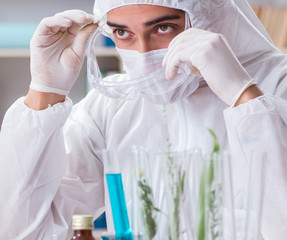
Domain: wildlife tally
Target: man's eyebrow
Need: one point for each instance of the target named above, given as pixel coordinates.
(111, 24)
(147, 24)
(161, 19)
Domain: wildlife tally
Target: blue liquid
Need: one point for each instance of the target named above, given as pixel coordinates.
(119, 208)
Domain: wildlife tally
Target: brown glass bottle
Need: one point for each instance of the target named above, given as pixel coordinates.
(82, 226)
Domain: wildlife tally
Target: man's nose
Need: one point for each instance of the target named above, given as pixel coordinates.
(145, 45)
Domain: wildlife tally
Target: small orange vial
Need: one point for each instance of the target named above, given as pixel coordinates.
(82, 226)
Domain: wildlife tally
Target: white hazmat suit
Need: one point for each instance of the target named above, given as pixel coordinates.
(49, 158)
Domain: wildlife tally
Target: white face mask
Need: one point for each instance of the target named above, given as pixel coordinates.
(148, 76)
(138, 65)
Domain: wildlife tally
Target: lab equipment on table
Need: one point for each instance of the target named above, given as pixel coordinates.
(255, 195)
(117, 197)
(158, 193)
(82, 226)
(180, 195)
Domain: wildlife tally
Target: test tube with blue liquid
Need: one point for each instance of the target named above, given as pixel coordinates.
(117, 196)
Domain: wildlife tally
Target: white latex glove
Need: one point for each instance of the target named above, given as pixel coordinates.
(212, 56)
(58, 50)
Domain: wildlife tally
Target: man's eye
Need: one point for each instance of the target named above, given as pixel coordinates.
(121, 34)
(165, 29)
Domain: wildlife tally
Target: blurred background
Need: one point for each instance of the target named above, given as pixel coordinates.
(19, 19)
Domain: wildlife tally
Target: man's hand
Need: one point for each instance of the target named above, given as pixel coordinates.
(212, 56)
(57, 53)
(58, 50)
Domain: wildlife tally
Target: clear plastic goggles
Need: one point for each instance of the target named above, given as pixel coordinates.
(144, 74)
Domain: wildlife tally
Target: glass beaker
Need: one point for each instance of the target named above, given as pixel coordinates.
(143, 208)
(158, 193)
(117, 196)
(255, 195)
(216, 217)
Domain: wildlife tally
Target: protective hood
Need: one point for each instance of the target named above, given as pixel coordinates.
(233, 19)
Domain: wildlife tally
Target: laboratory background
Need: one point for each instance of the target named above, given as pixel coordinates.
(19, 19)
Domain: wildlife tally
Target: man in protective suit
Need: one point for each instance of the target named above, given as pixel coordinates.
(211, 63)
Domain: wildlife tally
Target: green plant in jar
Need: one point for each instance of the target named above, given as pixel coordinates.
(148, 208)
(176, 185)
(209, 197)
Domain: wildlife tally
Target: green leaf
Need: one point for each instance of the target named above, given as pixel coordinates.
(148, 208)
(201, 224)
(216, 147)
(206, 180)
